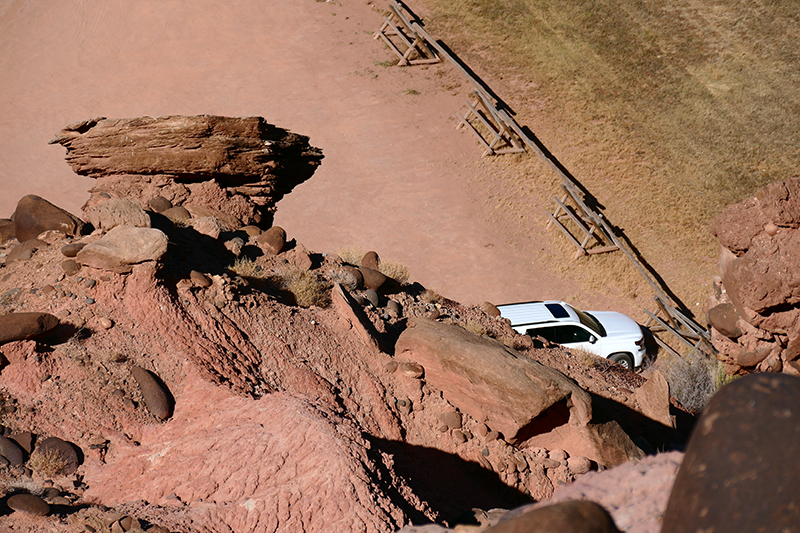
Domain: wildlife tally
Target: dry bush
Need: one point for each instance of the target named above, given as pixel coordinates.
(352, 255)
(47, 463)
(474, 327)
(431, 297)
(693, 379)
(246, 268)
(395, 271)
(306, 287)
(585, 359)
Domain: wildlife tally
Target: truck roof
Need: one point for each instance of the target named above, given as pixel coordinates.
(525, 313)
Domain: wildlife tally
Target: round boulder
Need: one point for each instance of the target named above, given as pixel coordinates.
(372, 278)
(370, 260)
(72, 249)
(12, 451)
(54, 456)
(273, 240)
(29, 504)
(740, 472)
(159, 204)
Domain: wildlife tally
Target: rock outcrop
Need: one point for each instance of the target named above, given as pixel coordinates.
(234, 168)
(755, 313)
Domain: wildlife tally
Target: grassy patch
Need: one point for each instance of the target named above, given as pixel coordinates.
(665, 112)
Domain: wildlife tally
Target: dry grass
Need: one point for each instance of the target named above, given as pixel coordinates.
(246, 268)
(307, 288)
(48, 464)
(693, 379)
(395, 271)
(431, 297)
(665, 113)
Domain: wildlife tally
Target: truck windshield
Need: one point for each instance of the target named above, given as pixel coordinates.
(590, 322)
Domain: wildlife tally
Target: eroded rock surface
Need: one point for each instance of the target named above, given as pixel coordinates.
(234, 167)
(755, 313)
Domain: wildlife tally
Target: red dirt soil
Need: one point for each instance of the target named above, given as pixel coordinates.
(397, 176)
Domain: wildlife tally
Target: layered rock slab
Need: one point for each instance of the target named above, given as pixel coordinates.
(235, 168)
(510, 393)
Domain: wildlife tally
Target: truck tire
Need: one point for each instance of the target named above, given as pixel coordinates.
(622, 359)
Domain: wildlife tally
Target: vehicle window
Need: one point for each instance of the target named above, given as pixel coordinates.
(548, 333)
(570, 334)
(557, 310)
(590, 322)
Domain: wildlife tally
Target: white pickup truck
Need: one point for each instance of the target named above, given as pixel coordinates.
(608, 334)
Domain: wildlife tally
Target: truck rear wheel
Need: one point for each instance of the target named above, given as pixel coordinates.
(623, 359)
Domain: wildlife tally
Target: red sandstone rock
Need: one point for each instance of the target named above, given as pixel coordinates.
(35, 215)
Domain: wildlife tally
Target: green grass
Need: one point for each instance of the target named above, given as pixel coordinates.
(665, 112)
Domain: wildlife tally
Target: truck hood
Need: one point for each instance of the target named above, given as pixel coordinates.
(617, 324)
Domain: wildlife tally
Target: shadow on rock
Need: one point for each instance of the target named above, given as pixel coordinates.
(449, 484)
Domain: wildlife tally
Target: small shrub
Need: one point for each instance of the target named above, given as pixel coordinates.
(585, 359)
(395, 271)
(411, 92)
(431, 297)
(475, 327)
(307, 289)
(352, 255)
(246, 268)
(692, 379)
(48, 463)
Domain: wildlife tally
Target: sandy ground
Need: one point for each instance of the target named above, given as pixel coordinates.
(397, 176)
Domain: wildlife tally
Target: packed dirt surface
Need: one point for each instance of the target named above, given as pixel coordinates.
(396, 176)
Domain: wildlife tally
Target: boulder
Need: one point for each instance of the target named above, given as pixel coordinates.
(208, 226)
(19, 326)
(117, 212)
(156, 395)
(159, 204)
(177, 214)
(653, 398)
(72, 249)
(513, 394)
(723, 318)
(6, 230)
(373, 279)
(12, 451)
(370, 260)
(273, 240)
(740, 471)
(571, 516)
(35, 215)
(490, 309)
(123, 247)
(64, 452)
(253, 162)
(29, 504)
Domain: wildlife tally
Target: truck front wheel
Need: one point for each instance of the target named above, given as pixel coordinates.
(623, 359)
